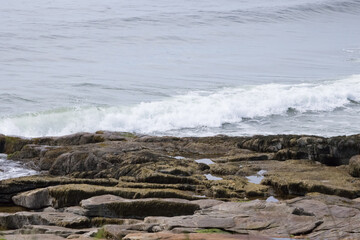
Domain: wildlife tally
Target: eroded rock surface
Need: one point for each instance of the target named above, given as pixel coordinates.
(117, 207)
(354, 166)
(142, 187)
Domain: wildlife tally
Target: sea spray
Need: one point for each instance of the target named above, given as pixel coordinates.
(197, 110)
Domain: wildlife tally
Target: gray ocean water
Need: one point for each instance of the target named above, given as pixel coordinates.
(236, 67)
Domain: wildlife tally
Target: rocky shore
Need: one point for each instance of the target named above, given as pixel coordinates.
(123, 186)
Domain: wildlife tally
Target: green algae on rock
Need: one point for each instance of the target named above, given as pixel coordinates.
(71, 195)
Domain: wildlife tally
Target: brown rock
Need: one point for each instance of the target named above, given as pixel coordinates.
(191, 236)
(113, 206)
(299, 177)
(11, 187)
(117, 231)
(354, 166)
(20, 219)
(71, 194)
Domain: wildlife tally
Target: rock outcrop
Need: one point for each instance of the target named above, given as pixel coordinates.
(116, 207)
(125, 186)
(330, 151)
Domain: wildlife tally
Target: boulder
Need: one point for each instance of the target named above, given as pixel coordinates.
(10, 145)
(34, 199)
(354, 166)
(113, 206)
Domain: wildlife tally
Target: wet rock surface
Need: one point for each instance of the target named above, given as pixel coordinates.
(120, 185)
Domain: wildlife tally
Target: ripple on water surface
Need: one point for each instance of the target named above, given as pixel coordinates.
(12, 169)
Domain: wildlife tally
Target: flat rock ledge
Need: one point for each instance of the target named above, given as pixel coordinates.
(118, 185)
(116, 207)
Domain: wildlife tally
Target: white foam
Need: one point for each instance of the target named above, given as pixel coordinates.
(194, 110)
(11, 169)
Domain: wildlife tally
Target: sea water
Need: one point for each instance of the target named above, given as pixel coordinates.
(11, 169)
(184, 68)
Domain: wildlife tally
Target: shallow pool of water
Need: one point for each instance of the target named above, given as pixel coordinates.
(272, 199)
(205, 161)
(257, 178)
(211, 177)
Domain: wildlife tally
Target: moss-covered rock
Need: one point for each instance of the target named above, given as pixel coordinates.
(354, 166)
(101, 221)
(113, 206)
(332, 151)
(71, 195)
(11, 145)
(224, 169)
(131, 183)
(11, 187)
(301, 177)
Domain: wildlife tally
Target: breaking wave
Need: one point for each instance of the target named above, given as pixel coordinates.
(196, 109)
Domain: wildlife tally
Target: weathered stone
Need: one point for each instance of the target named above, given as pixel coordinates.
(300, 177)
(222, 221)
(245, 156)
(330, 151)
(55, 230)
(101, 221)
(113, 206)
(11, 145)
(20, 219)
(269, 219)
(75, 210)
(354, 166)
(224, 169)
(78, 161)
(33, 236)
(206, 203)
(71, 194)
(34, 199)
(191, 236)
(145, 169)
(117, 232)
(11, 187)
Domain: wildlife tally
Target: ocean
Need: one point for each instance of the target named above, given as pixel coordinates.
(181, 68)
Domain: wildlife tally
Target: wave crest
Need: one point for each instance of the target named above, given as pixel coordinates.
(193, 110)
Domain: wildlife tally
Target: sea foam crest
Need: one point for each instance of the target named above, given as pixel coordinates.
(193, 110)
